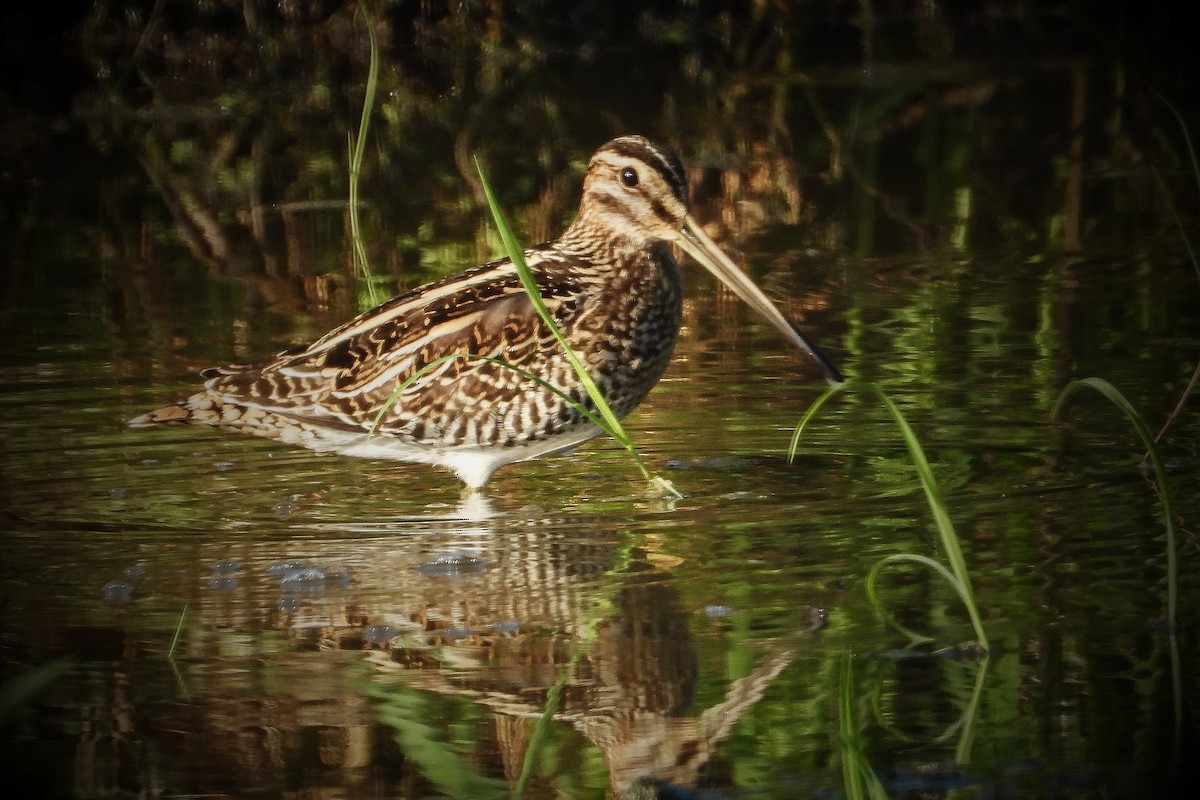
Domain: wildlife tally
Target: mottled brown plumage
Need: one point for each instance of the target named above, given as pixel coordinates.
(610, 282)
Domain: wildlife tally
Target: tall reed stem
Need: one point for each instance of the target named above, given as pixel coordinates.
(357, 146)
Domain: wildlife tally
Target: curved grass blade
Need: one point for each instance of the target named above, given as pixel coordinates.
(916, 558)
(794, 445)
(517, 256)
(178, 632)
(941, 517)
(1160, 473)
(858, 778)
(357, 147)
(957, 573)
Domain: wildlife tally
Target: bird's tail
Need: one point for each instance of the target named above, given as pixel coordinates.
(199, 409)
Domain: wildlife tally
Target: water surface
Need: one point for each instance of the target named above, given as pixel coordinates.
(216, 615)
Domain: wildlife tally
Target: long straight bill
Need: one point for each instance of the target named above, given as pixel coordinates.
(696, 243)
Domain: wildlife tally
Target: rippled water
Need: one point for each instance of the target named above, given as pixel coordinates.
(238, 617)
(967, 208)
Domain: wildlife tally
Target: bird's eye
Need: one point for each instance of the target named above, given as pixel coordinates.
(629, 177)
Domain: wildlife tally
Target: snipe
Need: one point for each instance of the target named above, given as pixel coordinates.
(611, 283)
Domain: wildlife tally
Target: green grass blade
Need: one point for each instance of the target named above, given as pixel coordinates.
(858, 778)
(794, 445)
(541, 729)
(916, 558)
(358, 150)
(516, 254)
(957, 574)
(941, 517)
(1160, 473)
(178, 632)
(437, 362)
(966, 741)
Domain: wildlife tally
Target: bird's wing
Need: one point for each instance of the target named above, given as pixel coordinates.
(345, 377)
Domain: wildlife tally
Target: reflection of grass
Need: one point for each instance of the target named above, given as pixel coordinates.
(446, 764)
(1160, 474)
(1164, 492)
(956, 575)
(20, 690)
(858, 778)
(1187, 242)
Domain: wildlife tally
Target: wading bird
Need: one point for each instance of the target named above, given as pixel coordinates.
(611, 284)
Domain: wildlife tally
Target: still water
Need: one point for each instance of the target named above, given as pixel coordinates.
(235, 617)
(190, 613)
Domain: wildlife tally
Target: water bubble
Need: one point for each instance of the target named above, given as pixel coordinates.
(378, 633)
(303, 581)
(117, 592)
(225, 566)
(454, 634)
(223, 466)
(337, 577)
(716, 612)
(118, 492)
(134, 572)
(289, 604)
(451, 565)
(282, 568)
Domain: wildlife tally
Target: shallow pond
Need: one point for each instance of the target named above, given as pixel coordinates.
(189, 613)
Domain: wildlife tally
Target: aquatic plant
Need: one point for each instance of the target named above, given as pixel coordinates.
(1164, 493)
(178, 632)
(406, 712)
(357, 148)
(608, 421)
(956, 574)
(1160, 473)
(1187, 243)
(858, 778)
